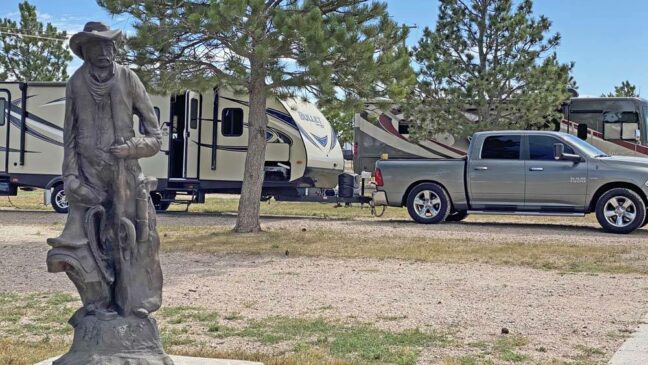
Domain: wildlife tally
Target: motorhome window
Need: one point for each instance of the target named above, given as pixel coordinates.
(620, 125)
(193, 120)
(232, 122)
(541, 148)
(593, 118)
(501, 148)
(3, 116)
(142, 128)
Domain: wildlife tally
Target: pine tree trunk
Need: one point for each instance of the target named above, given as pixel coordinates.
(250, 202)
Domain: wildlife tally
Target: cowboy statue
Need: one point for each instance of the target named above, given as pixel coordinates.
(109, 245)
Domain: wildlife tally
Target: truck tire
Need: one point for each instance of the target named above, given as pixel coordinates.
(457, 216)
(428, 203)
(620, 210)
(58, 200)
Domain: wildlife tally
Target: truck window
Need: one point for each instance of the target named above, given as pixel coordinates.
(232, 122)
(541, 148)
(501, 148)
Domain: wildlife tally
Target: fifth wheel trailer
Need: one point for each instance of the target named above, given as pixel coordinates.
(204, 144)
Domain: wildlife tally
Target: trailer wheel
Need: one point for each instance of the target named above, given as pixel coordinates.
(457, 216)
(620, 211)
(428, 203)
(58, 200)
(159, 205)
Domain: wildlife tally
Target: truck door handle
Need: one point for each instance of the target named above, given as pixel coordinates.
(536, 169)
(481, 168)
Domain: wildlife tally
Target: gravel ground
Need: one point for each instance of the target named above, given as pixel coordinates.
(472, 302)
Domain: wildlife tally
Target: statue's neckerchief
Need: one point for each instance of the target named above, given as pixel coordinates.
(98, 89)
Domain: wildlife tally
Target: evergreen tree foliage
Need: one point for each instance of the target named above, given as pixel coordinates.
(31, 51)
(626, 89)
(490, 58)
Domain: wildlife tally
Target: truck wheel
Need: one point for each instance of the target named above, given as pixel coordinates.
(620, 211)
(428, 203)
(58, 200)
(457, 216)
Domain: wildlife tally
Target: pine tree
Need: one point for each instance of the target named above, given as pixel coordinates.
(489, 58)
(30, 50)
(332, 50)
(626, 89)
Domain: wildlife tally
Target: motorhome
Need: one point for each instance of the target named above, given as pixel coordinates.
(205, 138)
(617, 126)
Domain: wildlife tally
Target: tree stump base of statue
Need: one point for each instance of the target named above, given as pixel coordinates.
(117, 341)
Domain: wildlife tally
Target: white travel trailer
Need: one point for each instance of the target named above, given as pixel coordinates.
(204, 147)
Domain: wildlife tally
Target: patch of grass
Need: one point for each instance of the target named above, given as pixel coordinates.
(36, 314)
(184, 314)
(547, 255)
(342, 340)
(20, 352)
(32, 200)
(229, 205)
(507, 347)
(468, 360)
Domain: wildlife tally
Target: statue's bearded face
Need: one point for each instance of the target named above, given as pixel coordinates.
(99, 54)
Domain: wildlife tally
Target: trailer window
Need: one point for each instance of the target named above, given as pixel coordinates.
(193, 118)
(232, 122)
(3, 116)
(501, 148)
(142, 128)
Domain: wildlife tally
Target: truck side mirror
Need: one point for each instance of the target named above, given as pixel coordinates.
(582, 131)
(559, 151)
(559, 154)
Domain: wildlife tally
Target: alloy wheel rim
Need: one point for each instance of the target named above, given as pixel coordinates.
(620, 211)
(427, 204)
(61, 200)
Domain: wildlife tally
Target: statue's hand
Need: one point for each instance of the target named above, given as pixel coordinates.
(120, 151)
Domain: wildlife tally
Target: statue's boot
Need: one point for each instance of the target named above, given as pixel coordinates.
(73, 233)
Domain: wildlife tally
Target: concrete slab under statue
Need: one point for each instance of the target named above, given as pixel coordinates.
(185, 360)
(109, 247)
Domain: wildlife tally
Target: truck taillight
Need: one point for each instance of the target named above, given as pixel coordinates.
(355, 149)
(378, 177)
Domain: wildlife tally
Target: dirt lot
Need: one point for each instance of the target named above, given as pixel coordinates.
(562, 316)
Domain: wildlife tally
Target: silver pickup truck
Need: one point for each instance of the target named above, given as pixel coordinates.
(521, 173)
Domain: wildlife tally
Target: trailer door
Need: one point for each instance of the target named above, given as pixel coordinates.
(193, 116)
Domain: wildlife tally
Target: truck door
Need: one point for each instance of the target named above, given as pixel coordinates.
(496, 174)
(192, 134)
(550, 184)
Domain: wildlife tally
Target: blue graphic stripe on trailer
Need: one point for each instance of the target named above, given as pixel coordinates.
(322, 140)
(286, 118)
(16, 123)
(36, 118)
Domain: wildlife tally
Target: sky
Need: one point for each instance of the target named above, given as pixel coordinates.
(607, 40)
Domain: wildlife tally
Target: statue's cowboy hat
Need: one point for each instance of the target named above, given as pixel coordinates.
(93, 31)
